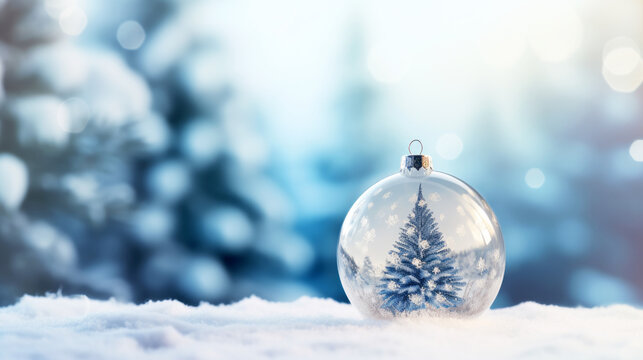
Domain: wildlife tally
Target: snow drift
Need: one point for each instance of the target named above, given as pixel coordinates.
(77, 327)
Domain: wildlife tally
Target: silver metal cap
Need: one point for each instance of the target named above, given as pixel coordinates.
(416, 164)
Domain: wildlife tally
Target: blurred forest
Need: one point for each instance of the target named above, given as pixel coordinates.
(208, 150)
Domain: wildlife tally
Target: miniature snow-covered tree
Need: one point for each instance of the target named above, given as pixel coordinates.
(420, 271)
(367, 272)
(352, 269)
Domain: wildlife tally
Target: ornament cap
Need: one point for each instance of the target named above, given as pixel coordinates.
(416, 164)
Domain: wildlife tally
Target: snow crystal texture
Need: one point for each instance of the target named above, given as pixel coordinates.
(58, 327)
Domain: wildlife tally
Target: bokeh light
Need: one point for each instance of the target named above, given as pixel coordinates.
(534, 178)
(227, 229)
(201, 141)
(73, 115)
(622, 64)
(449, 146)
(73, 20)
(625, 83)
(14, 182)
(169, 180)
(153, 132)
(153, 223)
(636, 150)
(204, 278)
(621, 56)
(130, 35)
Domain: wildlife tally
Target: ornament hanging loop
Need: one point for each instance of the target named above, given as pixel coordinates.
(421, 146)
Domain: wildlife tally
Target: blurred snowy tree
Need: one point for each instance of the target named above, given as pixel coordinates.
(210, 213)
(68, 126)
(213, 194)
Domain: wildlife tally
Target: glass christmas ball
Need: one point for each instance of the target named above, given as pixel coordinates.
(421, 243)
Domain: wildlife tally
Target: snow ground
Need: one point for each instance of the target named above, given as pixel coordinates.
(58, 327)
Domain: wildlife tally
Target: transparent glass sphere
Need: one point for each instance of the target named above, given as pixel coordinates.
(421, 243)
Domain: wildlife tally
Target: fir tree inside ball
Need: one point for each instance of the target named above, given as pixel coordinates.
(421, 243)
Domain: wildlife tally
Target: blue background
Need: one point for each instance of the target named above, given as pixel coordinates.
(209, 150)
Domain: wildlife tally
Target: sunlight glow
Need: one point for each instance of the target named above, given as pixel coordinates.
(555, 32)
(385, 64)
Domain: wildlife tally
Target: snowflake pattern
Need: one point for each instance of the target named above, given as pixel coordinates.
(370, 205)
(417, 299)
(431, 285)
(392, 220)
(496, 255)
(417, 263)
(440, 298)
(424, 244)
(387, 195)
(394, 206)
(436, 270)
(481, 265)
(435, 197)
(369, 236)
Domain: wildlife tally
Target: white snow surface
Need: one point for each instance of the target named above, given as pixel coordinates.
(57, 327)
